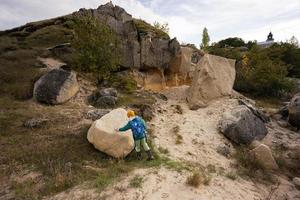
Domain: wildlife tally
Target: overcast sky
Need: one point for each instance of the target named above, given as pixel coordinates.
(248, 19)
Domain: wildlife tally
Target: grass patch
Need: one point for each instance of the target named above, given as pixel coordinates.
(178, 137)
(194, 180)
(251, 168)
(231, 175)
(163, 150)
(136, 182)
(144, 28)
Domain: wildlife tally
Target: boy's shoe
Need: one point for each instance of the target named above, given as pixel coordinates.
(150, 156)
(139, 155)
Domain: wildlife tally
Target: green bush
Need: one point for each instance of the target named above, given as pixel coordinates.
(97, 47)
(262, 76)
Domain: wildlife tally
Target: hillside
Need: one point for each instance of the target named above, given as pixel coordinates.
(208, 141)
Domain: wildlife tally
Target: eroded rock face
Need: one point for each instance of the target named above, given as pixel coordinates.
(56, 87)
(214, 77)
(103, 136)
(241, 126)
(294, 111)
(139, 51)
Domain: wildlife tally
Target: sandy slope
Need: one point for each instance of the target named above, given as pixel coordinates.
(200, 139)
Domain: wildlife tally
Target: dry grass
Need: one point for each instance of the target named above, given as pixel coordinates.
(178, 138)
(194, 180)
(251, 168)
(136, 182)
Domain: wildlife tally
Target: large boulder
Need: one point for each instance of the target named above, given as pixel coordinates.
(56, 87)
(294, 111)
(241, 126)
(103, 136)
(214, 77)
(263, 154)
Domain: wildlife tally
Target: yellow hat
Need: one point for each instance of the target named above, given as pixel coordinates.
(130, 113)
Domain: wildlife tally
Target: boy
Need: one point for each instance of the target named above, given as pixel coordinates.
(138, 128)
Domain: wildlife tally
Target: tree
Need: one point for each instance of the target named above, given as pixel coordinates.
(97, 47)
(294, 41)
(231, 42)
(163, 27)
(205, 39)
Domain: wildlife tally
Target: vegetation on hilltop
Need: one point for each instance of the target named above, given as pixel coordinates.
(261, 71)
(145, 28)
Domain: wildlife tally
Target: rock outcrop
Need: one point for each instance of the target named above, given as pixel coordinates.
(214, 77)
(241, 126)
(103, 136)
(56, 87)
(141, 49)
(294, 111)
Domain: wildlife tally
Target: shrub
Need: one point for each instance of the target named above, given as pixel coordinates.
(262, 76)
(97, 47)
(194, 180)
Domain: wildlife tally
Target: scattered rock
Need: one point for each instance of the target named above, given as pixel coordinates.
(284, 112)
(224, 150)
(56, 87)
(283, 124)
(294, 111)
(103, 136)
(35, 123)
(296, 182)
(241, 126)
(96, 114)
(108, 92)
(263, 155)
(106, 102)
(255, 110)
(104, 98)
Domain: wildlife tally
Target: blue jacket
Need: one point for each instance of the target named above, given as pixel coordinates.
(128, 126)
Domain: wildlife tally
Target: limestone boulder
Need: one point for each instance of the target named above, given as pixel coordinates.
(263, 154)
(241, 126)
(103, 136)
(56, 87)
(294, 111)
(214, 77)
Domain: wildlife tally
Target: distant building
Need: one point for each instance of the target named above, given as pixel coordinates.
(269, 42)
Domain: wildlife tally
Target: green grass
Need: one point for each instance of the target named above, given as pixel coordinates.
(144, 28)
(231, 175)
(136, 182)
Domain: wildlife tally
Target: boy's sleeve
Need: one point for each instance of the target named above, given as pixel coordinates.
(144, 123)
(126, 127)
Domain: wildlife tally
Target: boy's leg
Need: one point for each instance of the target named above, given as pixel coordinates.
(147, 149)
(145, 145)
(138, 149)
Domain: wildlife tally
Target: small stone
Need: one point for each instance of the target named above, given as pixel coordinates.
(224, 150)
(296, 182)
(96, 114)
(35, 123)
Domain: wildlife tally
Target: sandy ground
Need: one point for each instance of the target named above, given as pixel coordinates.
(200, 139)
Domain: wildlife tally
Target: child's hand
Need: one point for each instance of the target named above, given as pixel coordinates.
(116, 129)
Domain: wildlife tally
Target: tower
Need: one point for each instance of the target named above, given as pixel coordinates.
(270, 37)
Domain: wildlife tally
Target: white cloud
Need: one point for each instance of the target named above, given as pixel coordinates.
(223, 18)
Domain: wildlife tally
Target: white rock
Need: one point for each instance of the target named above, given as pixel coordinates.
(103, 136)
